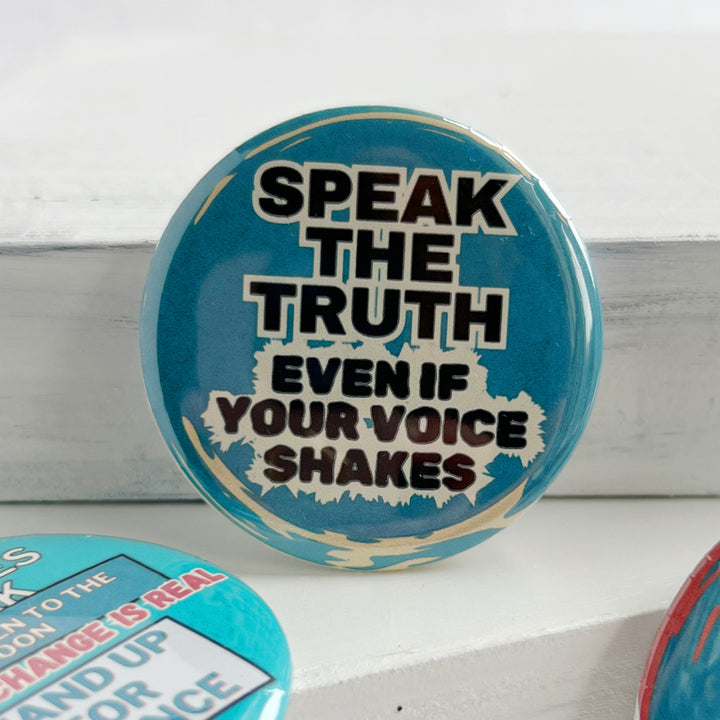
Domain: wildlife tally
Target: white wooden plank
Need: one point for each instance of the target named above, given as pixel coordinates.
(108, 119)
(550, 619)
(656, 421)
(75, 423)
(109, 116)
(590, 673)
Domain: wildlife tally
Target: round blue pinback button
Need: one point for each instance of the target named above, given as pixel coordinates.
(681, 678)
(371, 337)
(110, 629)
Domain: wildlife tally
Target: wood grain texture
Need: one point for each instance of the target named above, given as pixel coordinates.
(109, 117)
(75, 423)
(656, 421)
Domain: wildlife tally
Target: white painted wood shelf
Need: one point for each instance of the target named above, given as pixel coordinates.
(108, 119)
(75, 423)
(552, 618)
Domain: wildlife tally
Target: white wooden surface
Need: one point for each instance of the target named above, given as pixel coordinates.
(105, 127)
(109, 115)
(551, 619)
(75, 423)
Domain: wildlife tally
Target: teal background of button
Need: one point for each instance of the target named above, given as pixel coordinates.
(228, 613)
(554, 335)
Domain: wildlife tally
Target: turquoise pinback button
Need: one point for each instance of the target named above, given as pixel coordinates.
(371, 337)
(109, 629)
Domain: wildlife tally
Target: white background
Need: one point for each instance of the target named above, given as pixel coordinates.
(112, 111)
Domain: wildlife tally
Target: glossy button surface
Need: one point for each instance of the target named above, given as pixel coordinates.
(109, 629)
(371, 337)
(681, 678)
